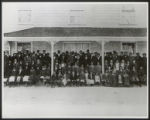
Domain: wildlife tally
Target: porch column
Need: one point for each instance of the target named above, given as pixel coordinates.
(52, 57)
(31, 46)
(15, 46)
(103, 67)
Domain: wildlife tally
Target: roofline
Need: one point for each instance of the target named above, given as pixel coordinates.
(64, 33)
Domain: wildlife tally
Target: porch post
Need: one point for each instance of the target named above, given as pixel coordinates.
(9, 48)
(103, 67)
(31, 46)
(15, 46)
(52, 57)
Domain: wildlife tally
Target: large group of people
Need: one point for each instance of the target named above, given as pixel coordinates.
(75, 69)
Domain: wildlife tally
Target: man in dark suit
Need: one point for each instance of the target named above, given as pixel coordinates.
(94, 59)
(144, 65)
(6, 59)
(9, 69)
(43, 59)
(99, 58)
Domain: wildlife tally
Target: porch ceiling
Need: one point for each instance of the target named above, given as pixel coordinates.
(77, 32)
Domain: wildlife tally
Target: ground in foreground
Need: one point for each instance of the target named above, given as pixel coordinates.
(78, 102)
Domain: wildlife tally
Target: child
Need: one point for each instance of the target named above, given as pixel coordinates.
(53, 79)
(126, 77)
(42, 75)
(97, 79)
(98, 68)
(33, 64)
(77, 78)
(81, 68)
(105, 80)
(106, 65)
(120, 78)
(91, 68)
(68, 77)
(32, 77)
(13, 77)
(109, 80)
(91, 78)
(117, 65)
(134, 76)
(141, 76)
(20, 75)
(73, 78)
(86, 77)
(26, 74)
(122, 64)
(64, 80)
(21, 64)
(59, 79)
(76, 68)
(63, 68)
(82, 78)
(15, 64)
(111, 65)
(8, 73)
(47, 75)
(38, 74)
(114, 77)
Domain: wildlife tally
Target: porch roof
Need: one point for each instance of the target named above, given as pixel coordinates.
(77, 32)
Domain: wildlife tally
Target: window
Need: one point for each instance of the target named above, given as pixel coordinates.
(127, 16)
(77, 17)
(129, 47)
(23, 46)
(24, 16)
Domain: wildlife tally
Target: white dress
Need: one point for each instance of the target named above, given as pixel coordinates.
(18, 78)
(90, 81)
(11, 78)
(97, 78)
(25, 78)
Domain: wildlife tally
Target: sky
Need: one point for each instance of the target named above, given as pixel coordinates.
(18, 16)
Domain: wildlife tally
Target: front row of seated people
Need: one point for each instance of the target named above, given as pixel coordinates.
(113, 76)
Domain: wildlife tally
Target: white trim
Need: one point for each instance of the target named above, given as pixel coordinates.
(87, 39)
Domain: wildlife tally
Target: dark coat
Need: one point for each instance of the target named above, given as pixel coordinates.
(94, 60)
(73, 77)
(27, 71)
(20, 72)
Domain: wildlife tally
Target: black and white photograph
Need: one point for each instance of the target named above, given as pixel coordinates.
(75, 60)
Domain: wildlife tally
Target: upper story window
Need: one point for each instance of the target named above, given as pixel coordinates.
(24, 16)
(127, 16)
(77, 17)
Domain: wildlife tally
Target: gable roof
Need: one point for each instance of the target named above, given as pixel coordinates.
(77, 31)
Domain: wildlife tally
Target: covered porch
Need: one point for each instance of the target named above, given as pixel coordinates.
(75, 39)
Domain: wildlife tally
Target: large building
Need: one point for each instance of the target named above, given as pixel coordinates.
(67, 27)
